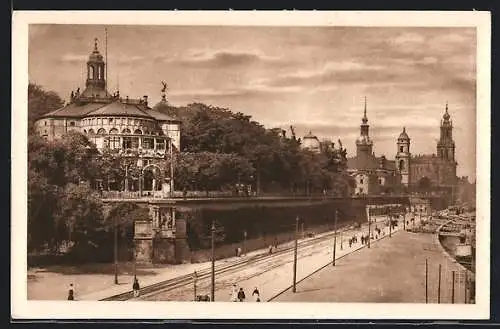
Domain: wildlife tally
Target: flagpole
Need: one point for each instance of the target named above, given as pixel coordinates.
(106, 53)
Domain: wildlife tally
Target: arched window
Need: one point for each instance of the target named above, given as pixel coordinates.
(113, 131)
(401, 165)
(401, 149)
(91, 132)
(101, 131)
(126, 131)
(138, 132)
(91, 72)
(84, 131)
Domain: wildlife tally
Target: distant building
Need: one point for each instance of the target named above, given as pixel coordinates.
(311, 142)
(429, 171)
(375, 175)
(372, 174)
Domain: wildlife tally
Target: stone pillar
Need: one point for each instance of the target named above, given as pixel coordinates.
(154, 144)
(140, 142)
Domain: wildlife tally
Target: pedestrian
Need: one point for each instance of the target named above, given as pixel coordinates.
(236, 251)
(350, 243)
(241, 295)
(71, 292)
(234, 294)
(136, 287)
(270, 249)
(256, 294)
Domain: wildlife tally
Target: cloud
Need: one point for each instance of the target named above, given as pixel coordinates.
(223, 59)
(74, 58)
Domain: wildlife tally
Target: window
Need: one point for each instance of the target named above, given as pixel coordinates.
(147, 143)
(138, 132)
(361, 189)
(110, 120)
(380, 181)
(160, 144)
(361, 181)
(401, 149)
(98, 121)
(101, 131)
(114, 142)
(127, 142)
(104, 121)
(72, 123)
(126, 131)
(135, 142)
(45, 122)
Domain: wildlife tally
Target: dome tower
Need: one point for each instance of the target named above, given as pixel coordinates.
(403, 157)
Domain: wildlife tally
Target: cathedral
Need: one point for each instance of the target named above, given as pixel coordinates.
(124, 126)
(376, 175)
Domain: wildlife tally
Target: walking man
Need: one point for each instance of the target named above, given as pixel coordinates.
(241, 295)
(71, 292)
(136, 287)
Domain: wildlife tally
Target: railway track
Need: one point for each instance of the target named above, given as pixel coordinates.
(220, 269)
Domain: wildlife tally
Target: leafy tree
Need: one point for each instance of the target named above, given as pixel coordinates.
(81, 213)
(41, 102)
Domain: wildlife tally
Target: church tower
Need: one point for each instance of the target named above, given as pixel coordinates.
(446, 144)
(96, 81)
(403, 157)
(364, 145)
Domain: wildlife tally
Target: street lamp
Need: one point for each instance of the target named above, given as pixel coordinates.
(115, 233)
(212, 292)
(294, 289)
(335, 238)
(244, 241)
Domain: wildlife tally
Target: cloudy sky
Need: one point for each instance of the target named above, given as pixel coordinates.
(314, 78)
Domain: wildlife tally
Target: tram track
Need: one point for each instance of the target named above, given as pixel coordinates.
(224, 269)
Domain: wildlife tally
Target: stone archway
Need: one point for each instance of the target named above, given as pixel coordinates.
(152, 178)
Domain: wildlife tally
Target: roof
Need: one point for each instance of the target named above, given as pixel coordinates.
(122, 109)
(404, 135)
(74, 110)
(161, 116)
(369, 162)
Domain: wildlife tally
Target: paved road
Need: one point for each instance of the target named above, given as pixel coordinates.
(269, 276)
(392, 271)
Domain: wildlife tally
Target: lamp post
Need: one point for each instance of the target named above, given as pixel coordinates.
(294, 289)
(369, 227)
(212, 292)
(335, 238)
(195, 279)
(244, 241)
(115, 244)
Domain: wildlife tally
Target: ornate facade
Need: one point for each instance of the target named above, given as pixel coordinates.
(111, 121)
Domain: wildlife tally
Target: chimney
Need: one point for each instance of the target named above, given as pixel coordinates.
(145, 97)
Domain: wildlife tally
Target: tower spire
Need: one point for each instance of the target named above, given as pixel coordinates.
(365, 118)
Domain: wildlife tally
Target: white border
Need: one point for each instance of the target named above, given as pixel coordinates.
(21, 308)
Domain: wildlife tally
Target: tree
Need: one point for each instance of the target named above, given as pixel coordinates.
(81, 213)
(41, 102)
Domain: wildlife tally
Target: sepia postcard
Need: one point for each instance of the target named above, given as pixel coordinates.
(250, 165)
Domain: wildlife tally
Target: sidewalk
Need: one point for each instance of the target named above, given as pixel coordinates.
(392, 271)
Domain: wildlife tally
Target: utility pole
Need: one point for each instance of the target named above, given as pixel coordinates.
(453, 287)
(426, 282)
(465, 287)
(439, 285)
(294, 289)
(335, 239)
(369, 227)
(115, 244)
(212, 292)
(195, 278)
(244, 242)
